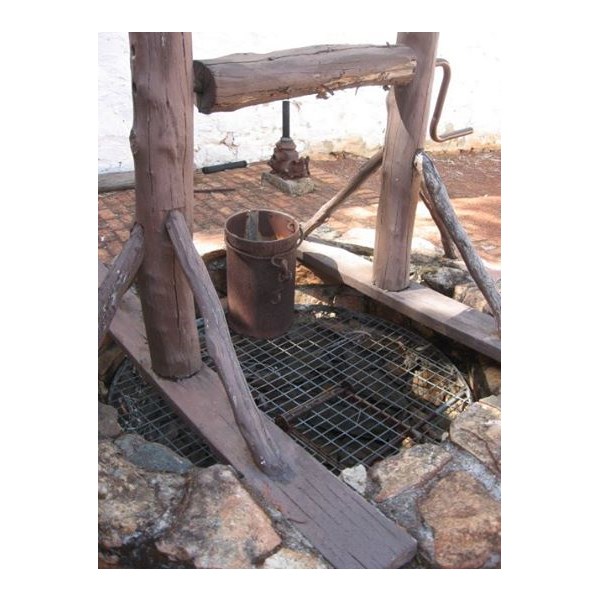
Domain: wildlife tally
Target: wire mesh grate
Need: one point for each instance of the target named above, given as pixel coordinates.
(348, 387)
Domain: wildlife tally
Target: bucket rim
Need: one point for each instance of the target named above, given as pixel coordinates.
(233, 237)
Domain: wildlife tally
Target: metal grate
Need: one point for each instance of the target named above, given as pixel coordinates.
(350, 388)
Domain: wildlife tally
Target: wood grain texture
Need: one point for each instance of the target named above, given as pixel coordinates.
(238, 80)
(440, 199)
(220, 348)
(405, 133)
(120, 276)
(453, 319)
(447, 244)
(343, 526)
(162, 147)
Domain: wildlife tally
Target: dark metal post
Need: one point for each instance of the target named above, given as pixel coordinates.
(286, 120)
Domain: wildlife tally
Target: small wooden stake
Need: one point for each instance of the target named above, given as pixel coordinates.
(120, 276)
(439, 196)
(247, 416)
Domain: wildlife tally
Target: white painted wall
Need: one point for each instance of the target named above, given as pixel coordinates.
(351, 120)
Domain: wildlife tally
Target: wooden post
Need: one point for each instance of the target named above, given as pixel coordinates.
(406, 126)
(162, 147)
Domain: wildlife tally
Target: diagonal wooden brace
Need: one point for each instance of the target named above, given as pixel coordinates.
(220, 348)
(120, 276)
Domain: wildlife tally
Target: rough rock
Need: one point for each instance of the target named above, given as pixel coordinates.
(220, 525)
(292, 559)
(133, 504)
(446, 279)
(477, 430)
(493, 401)
(411, 468)
(152, 456)
(469, 293)
(465, 521)
(108, 425)
(355, 477)
(486, 378)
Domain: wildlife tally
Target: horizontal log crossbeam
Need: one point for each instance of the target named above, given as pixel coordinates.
(239, 80)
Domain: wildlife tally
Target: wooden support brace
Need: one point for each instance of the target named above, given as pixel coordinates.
(447, 245)
(120, 276)
(439, 197)
(239, 80)
(359, 178)
(247, 416)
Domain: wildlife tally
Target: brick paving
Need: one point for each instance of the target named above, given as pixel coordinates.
(473, 182)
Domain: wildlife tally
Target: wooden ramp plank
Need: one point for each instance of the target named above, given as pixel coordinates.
(343, 526)
(459, 322)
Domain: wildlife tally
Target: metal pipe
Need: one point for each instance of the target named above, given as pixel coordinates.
(286, 119)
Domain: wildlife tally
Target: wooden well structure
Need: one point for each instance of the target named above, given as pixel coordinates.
(158, 331)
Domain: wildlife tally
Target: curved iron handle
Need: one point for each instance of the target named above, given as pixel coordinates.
(439, 105)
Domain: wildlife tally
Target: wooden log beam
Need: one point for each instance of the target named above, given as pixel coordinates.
(220, 348)
(357, 180)
(238, 80)
(449, 317)
(162, 147)
(346, 529)
(406, 126)
(120, 276)
(439, 197)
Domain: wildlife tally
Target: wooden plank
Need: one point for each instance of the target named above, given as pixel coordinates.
(238, 80)
(405, 132)
(424, 305)
(116, 182)
(162, 139)
(343, 526)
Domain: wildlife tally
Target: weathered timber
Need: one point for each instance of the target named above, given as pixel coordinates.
(345, 528)
(239, 80)
(453, 319)
(439, 197)
(116, 182)
(162, 148)
(120, 276)
(355, 182)
(447, 244)
(220, 348)
(405, 133)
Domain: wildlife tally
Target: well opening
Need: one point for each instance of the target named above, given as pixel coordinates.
(349, 387)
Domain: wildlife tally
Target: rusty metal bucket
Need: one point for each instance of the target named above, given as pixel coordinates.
(261, 266)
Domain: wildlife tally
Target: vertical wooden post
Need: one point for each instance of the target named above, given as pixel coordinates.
(162, 146)
(408, 108)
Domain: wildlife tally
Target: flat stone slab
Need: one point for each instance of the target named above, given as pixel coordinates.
(477, 430)
(292, 187)
(465, 521)
(411, 468)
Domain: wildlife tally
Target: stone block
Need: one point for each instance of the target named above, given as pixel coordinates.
(293, 559)
(477, 430)
(465, 521)
(411, 468)
(291, 187)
